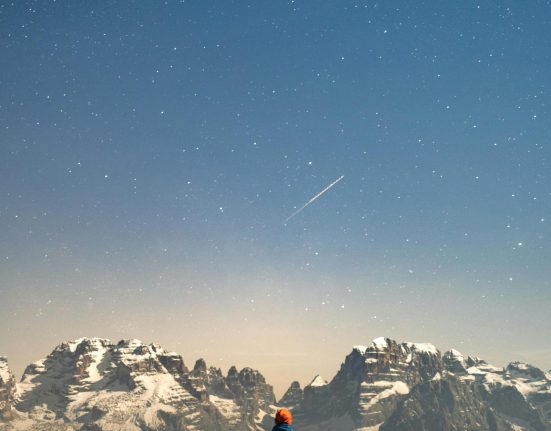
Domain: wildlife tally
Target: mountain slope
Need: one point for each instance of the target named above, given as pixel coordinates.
(96, 385)
(389, 386)
(93, 384)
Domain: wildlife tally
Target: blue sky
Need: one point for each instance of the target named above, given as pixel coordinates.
(151, 151)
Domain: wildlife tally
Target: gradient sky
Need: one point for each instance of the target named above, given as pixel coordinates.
(150, 153)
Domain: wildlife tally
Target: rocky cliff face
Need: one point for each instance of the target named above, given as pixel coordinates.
(243, 396)
(7, 390)
(389, 386)
(370, 383)
(293, 397)
(456, 403)
(94, 385)
(444, 404)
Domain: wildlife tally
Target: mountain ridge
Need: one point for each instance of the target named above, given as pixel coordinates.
(93, 384)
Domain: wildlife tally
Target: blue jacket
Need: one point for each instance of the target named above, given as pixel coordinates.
(283, 427)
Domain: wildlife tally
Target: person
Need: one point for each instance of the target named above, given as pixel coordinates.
(283, 420)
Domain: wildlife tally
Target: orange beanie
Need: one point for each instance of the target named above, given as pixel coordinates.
(283, 416)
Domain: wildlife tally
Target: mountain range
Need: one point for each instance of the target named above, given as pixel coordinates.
(96, 385)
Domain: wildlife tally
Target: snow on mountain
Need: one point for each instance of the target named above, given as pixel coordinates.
(360, 349)
(228, 408)
(7, 390)
(390, 386)
(318, 381)
(93, 384)
(241, 396)
(379, 344)
(423, 347)
(5, 374)
(93, 381)
(96, 385)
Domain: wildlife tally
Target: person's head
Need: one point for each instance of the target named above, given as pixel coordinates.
(283, 416)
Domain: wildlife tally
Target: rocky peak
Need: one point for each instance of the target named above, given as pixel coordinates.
(5, 373)
(255, 387)
(411, 386)
(454, 362)
(96, 384)
(232, 380)
(247, 389)
(71, 359)
(142, 358)
(474, 361)
(71, 365)
(216, 383)
(381, 344)
(385, 359)
(200, 366)
(250, 378)
(383, 370)
(233, 373)
(197, 381)
(93, 384)
(86, 364)
(292, 397)
(173, 363)
(525, 371)
(318, 381)
(7, 390)
(102, 385)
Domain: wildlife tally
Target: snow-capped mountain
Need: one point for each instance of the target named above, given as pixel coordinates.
(413, 387)
(93, 384)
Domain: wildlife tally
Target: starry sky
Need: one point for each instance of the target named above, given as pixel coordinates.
(151, 152)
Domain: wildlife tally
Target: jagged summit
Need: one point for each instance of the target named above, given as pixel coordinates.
(293, 396)
(380, 343)
(360, 349)
(5, 374)
(7, 390)
(525, 371)
(384, 343)
(93, 383)
(318, 381)
(455, 353)
(392, 386)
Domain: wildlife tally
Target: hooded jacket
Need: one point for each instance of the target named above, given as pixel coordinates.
(283, 427)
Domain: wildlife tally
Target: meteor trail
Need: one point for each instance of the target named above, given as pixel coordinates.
(314, 198)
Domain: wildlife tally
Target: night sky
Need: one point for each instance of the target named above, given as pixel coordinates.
(151, 152)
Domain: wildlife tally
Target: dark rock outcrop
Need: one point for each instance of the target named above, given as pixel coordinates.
(394, 386)
(370, 383)
(93, 384)
(443, 405)
(293, 397)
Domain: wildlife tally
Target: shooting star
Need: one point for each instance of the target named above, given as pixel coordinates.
(314, 198)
